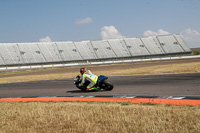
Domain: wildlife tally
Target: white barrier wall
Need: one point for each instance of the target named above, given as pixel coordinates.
(97, 63)
(46, 52)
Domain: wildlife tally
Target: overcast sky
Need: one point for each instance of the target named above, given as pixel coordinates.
(79, 20)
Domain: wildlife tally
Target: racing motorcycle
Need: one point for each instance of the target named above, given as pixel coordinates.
(102, 83)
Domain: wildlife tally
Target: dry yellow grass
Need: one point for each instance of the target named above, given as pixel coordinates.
(37, 77)
(157, 69)
(196, 52)
(162, 69)
(82, 117)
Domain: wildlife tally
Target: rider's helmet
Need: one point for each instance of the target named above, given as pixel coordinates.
(82, 70)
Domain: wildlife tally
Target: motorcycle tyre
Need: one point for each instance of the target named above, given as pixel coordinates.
(108, 86)
(81, 88)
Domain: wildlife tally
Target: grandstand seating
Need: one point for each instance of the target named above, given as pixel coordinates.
(68, 51)
(36, 52)
(84, 49)
(169, 44)
(27, 53)
(15, 54)
(103, 49)
(119, 47)
(48, 52)
(5, 55)
(152, 46)
(182, 43)
(136, 47)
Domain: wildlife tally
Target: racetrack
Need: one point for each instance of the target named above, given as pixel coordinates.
(143, 85)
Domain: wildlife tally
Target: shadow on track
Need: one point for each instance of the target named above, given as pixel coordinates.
(79, 91)
(76, 91)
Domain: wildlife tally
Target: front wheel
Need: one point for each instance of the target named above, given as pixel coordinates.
(107, 85)
(81, 88)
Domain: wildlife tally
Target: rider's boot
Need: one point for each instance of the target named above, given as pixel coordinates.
(90, 89)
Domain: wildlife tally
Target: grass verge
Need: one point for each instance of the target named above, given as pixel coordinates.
(196, 52)
(42, 117)
(192, 67)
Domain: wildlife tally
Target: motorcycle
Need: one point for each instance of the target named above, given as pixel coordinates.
(102, 83)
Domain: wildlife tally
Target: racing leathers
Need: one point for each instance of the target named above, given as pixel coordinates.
(89, 76)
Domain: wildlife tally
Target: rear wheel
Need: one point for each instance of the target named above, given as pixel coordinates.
(107, 85)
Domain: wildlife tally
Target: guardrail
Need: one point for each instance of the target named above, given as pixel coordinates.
(97, 63)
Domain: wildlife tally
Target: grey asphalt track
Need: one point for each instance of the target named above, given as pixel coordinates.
(141, 85)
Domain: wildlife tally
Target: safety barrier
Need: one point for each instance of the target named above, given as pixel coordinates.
(97, 63)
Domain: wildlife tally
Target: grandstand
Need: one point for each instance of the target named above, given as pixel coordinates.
(60, 52)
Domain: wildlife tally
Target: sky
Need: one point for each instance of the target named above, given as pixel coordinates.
(80, 20)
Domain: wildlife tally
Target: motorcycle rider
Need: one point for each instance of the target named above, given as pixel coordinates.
(88, 75)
